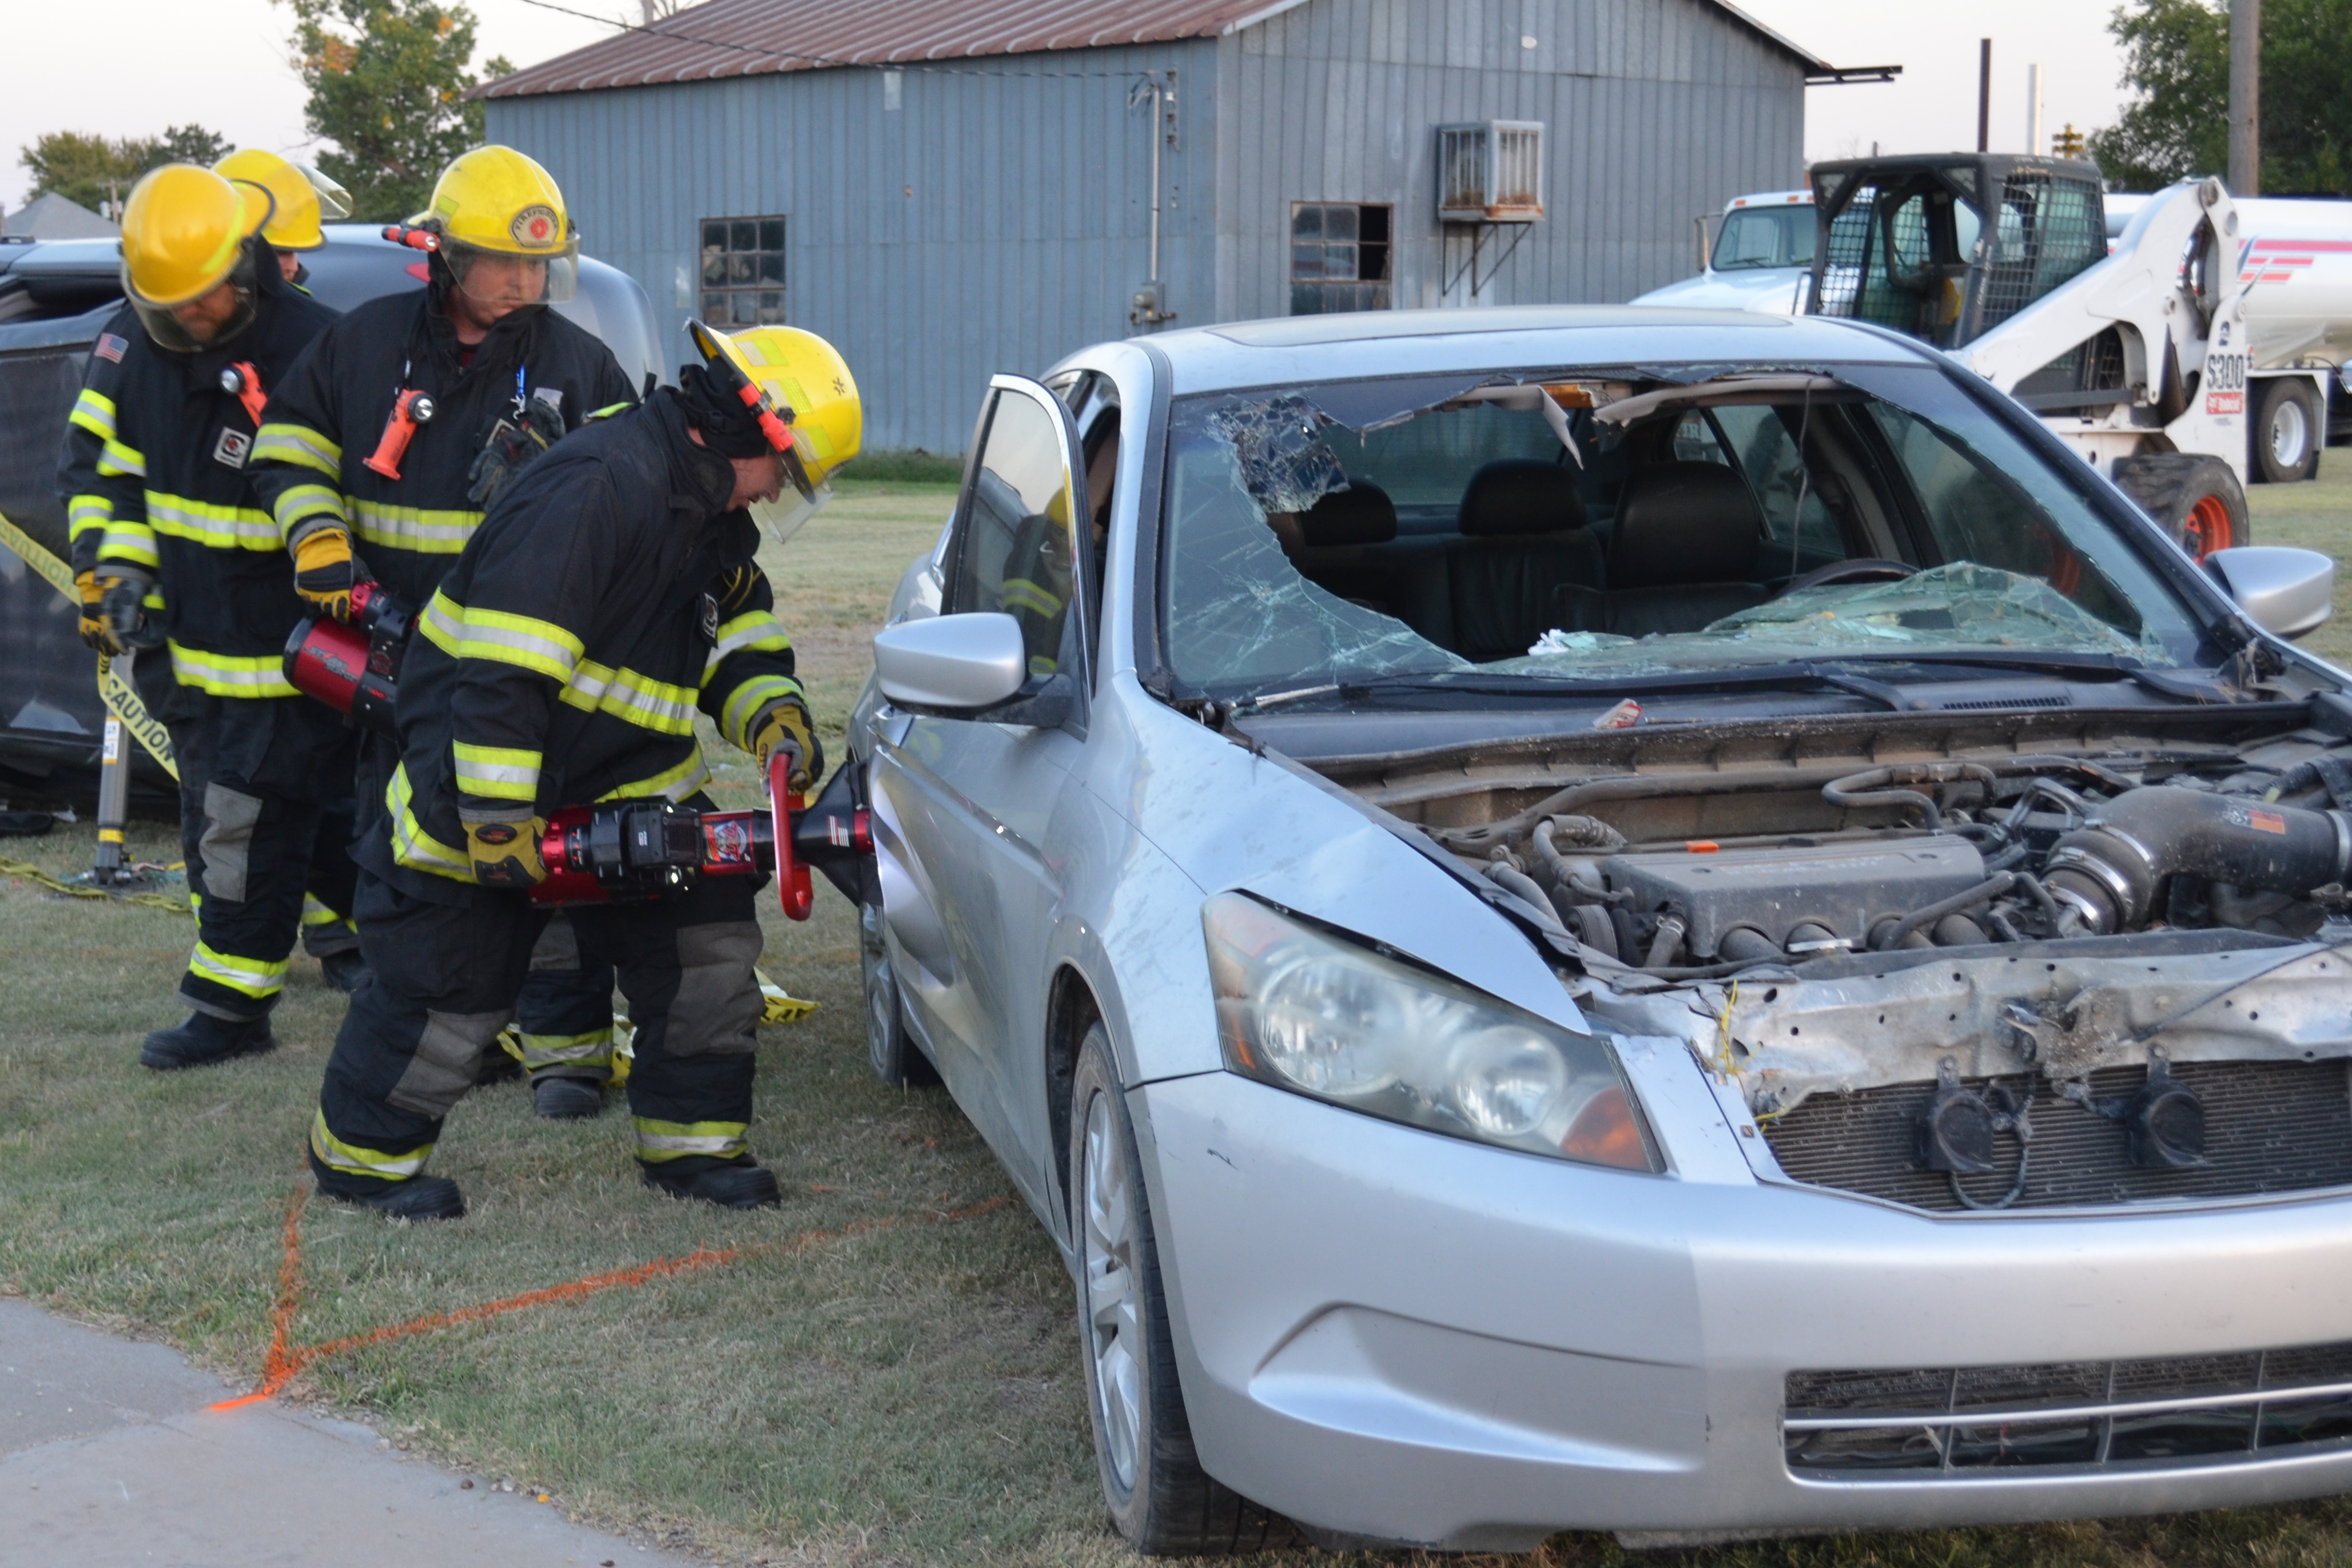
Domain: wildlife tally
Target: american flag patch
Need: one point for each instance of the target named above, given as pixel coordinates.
(110, 347)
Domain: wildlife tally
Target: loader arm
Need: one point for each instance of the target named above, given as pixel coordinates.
(2145, 289)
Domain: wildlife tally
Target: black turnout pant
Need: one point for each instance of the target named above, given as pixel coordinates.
(445, 978)
(265, 826)
(564, 1013)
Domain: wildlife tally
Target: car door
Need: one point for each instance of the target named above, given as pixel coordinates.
(970, 894)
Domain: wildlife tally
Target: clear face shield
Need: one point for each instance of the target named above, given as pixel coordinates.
(498, 281)
(206, 321)
(801, 499)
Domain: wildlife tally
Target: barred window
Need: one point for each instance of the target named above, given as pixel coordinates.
(1338, 258)
(743, 271)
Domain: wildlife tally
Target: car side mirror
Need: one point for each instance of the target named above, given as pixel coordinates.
(2288, 593)
(951, 664)
(974, 664)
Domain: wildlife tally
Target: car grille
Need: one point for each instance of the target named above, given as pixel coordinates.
(2176, 1411)
(2270, 1127)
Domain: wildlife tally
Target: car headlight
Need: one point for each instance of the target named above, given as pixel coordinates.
(1320, 1016)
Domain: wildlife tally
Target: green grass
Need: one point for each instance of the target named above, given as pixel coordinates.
(2316, 516)
(897, 1395)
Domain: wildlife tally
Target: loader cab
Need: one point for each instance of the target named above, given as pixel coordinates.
(1944, 247)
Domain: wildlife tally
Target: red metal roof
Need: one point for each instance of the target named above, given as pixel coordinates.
(756, 37)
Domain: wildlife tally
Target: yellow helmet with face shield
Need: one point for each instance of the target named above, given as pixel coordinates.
(304, 197)
(494, 206)
(807, 382)
(185, 234)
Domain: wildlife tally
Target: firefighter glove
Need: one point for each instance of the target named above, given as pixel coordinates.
(95, 629)
(123, 605)
(785, 724)
(505, 851)
(324, 572)
(509, 450)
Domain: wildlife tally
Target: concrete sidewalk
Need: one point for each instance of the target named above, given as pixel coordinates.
(108, 1454)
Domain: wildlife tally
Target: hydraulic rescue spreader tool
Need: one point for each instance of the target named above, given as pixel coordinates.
(620, 851)
(623, 851)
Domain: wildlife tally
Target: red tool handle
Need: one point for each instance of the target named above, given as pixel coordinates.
(399, 429)
(793, 883)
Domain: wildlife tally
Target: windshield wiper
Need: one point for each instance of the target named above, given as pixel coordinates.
(2182, 685)
(1765, 678)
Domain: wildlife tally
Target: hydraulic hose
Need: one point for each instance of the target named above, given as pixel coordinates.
(2111, 869)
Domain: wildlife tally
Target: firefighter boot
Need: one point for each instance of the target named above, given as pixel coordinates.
(205, 1039)
(567, 1099)
(345, 971)
(741, 1186)
(415, 1197)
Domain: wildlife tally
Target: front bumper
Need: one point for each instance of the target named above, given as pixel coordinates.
(1388, 1334)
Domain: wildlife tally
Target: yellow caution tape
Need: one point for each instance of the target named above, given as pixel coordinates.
(121, 698)
(32, 873)
(780, 1006)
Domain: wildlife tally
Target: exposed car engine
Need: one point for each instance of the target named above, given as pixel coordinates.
(1965, 855)
(1985, 981)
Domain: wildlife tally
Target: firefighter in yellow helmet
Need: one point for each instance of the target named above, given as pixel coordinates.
(302, 199)
(174, 552)
(529, 688)
(504, 377)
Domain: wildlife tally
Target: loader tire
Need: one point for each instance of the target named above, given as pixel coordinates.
(2196, 499)
(2283, 438)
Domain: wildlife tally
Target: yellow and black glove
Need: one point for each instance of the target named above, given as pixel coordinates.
(786, 723)
(324, 570)
(505, 850)
(96, 630)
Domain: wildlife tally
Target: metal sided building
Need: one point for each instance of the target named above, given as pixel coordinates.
(946, 188)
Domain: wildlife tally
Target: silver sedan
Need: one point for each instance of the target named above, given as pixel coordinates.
(1617, 919)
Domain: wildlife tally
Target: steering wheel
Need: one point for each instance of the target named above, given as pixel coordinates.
(1867, 569)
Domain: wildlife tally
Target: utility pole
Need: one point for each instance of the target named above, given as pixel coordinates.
(2245, 97)
(2034, 112)
(1984, 95)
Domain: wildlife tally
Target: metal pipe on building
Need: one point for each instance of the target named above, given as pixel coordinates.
(2245, 97)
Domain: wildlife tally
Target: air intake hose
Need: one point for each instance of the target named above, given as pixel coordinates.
(2111, 869)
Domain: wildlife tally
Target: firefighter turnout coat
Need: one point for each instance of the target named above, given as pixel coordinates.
(609, 596)
(157, 469)
(326, 419)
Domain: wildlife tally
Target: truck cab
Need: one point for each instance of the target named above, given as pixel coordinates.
(1758, 258)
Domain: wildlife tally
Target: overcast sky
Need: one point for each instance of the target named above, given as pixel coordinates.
(130, 67)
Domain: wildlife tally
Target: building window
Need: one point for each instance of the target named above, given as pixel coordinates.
(743, 271)
(1338, 258)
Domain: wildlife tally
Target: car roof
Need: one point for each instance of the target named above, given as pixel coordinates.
(1340, 347)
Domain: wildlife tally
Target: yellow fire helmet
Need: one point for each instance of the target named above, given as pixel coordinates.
(305, 198)
(493, 201)
(183, 235)
(805, 382)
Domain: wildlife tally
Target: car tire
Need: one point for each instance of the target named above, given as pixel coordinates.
(1159, 1497)
(898, 1060)
(2196, 499)
(2285, 435)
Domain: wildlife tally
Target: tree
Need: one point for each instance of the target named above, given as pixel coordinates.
(2177, 62)
(387, 81)
(99, 173)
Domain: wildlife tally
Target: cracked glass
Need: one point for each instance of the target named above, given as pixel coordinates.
(1326, 533)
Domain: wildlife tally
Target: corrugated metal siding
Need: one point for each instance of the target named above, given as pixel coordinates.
(1024, 234)
(1656, 111)
(1025, 237)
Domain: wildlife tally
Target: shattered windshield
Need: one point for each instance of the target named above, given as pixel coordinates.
(1563, 524)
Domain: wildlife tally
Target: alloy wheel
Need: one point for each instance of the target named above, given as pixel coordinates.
(1114, 1331)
